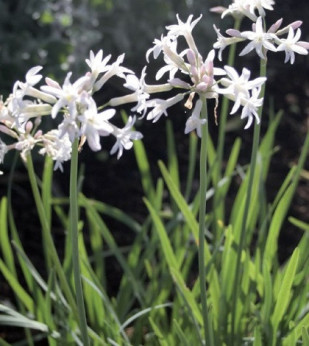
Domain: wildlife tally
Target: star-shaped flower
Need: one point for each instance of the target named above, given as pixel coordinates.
(292, 45)
(261, 41)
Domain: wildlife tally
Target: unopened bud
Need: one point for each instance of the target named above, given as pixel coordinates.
(191, 57)
(29, 126)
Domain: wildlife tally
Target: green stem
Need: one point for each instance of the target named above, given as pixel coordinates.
(219, 207)
(225, 107)
(254, 152)
(47, 236)
(75, 252)
(202, 214)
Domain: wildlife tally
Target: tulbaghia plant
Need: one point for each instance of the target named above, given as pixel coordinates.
(73, 107)
(193, 79)
(77, 120)
(240, 291)
(260, 39)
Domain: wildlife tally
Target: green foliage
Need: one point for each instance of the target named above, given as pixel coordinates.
(158, 300)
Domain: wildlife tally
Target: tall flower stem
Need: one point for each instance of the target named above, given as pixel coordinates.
(254, 152)
(222, 130)
(48, 238)
(225, 105)
(75, 252)
(202, 214)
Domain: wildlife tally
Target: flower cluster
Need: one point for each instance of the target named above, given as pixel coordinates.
(189, 78)
(260, 39)
(245, 8)
(80, 118)
(195, 79)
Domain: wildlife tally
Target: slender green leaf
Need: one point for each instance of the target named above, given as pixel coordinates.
(300, 224)
(297, 331)
(142, 313)
(4, 343)
(181, 335)
(173, 263)
(144, 169)
(94, 215)
(161, 338)
(9, 317)
(182, 204)
(268, 294)
(172, 154)
(305, 336)
(4, 236)
(35, 274)
(276, 223)
(22, 295)
(257, 337)
(284, 294)
(266, 146)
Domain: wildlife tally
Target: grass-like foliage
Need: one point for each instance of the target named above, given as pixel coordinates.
(159, 297)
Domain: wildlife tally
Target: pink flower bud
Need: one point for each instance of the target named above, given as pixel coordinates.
(38, 134)
(303, 44)
(218, 9)
(191, 57)
(29, 126)
(275, 26)
(295, 25)
(233, 32)
(52, 83)
(202, 87)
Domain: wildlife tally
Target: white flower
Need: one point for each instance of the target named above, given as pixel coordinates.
(69, 127)
(172, 66)
(260, 5)
(17, 103)
(94, 125)
(237, 87)
(114, 70)
(97, 64)
(59, 148)
(68, 95)
(238, 9)
(124, 137)
(248, 8)
(291, 45)
(260, 40)
(138, 86)
(32, 78)
(202, 75)
(156, 49)
(167, 45)
(223, 42)
(250, 107)
(25, 144)
(195, 122)
(184, 29)
(3, 150)
(160, 106)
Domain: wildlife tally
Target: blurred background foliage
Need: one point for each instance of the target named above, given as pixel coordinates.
(58, 34)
